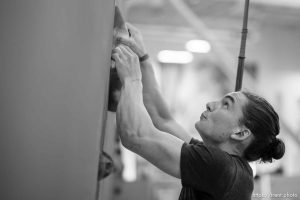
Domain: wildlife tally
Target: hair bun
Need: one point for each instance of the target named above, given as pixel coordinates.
(278, 148)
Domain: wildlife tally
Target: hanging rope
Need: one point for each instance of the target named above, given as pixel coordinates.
(240, 69)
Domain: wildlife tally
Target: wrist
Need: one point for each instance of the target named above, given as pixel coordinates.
(135, 84)
(130, 80)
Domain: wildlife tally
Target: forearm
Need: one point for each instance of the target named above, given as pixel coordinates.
(139, 135)
(156, 108)
(133, 120)
(153, 100)
(156, 105)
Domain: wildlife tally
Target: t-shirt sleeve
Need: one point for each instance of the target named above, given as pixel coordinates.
(201, 166)
(195, 141)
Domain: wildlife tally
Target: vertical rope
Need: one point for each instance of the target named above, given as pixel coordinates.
(240, 69)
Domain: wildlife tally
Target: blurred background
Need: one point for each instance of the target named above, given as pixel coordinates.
(194, 46)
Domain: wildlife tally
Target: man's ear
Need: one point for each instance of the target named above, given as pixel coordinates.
(241, 135)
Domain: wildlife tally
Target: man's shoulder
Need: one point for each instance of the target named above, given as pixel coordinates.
(209, 155)
(219, 153)
(195, 141)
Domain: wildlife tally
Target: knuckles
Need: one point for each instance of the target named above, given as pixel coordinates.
(134, 58)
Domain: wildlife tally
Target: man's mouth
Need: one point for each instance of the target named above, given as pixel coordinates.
(203, 116)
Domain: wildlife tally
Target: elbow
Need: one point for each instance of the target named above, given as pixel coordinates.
(131, 144)
(129, 140)
(126, 142)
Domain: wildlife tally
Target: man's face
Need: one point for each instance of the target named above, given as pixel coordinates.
(221, 118)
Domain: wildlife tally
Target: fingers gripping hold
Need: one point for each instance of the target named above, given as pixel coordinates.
(130, 51)
(135, 42)
(127, 63)
(117, 54)
(125, 51)
(115, 57)
(133, 30)
(128, 42)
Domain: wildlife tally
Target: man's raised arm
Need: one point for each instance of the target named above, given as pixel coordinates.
(134, 125)
(153, 100)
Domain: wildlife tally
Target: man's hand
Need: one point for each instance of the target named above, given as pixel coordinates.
(135, 42)
(127, 64)
(153, 100)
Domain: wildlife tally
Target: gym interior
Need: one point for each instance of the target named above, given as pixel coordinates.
(58, 127)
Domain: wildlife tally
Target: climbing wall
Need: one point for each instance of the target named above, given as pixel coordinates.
(54, 70)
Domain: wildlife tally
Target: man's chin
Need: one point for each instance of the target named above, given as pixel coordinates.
(196, 125)
(198, 128)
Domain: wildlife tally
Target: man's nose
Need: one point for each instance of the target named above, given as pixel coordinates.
(211, 106)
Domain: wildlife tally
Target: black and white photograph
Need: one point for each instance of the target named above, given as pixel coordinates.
(149, 100)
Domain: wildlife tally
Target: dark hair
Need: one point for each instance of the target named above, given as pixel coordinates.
(262, 120)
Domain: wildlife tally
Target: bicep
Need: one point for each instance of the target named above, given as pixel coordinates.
(162, 150)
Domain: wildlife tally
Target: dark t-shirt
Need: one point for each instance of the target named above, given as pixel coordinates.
(209, 173)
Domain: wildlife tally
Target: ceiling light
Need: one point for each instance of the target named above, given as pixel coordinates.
(198, 46)
(176, 57)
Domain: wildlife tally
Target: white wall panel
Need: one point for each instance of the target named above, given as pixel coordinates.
(54, 66)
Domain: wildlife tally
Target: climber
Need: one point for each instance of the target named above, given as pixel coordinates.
(240, 128)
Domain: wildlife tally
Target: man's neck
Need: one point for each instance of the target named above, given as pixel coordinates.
(231, 149)
(227, 147)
